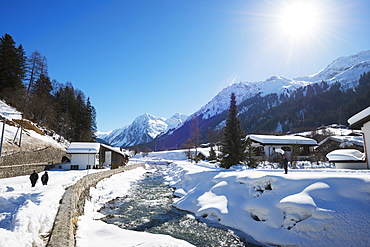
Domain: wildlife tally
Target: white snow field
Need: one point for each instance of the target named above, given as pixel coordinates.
(306, 207)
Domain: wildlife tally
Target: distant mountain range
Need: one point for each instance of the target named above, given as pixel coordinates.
(255, 99)
(142, 130)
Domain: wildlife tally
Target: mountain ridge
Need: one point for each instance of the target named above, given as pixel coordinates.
(143, 129)
(256, 97)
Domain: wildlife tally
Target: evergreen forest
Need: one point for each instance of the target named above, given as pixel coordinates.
(25, 85)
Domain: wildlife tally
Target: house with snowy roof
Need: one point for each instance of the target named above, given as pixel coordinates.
(348, 141)
(269, 145)
(361, 121)
(204, 153)
(88, 155)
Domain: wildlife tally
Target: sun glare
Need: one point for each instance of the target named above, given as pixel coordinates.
(299, 19)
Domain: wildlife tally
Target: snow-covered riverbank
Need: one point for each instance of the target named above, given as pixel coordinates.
(311, 207)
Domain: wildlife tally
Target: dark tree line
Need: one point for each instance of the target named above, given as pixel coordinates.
(25, 85)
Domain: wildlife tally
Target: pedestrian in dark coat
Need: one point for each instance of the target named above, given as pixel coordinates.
(285, 164)
(34, 177)
(45, 178)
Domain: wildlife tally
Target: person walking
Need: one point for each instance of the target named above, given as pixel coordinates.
(285, 164)
(34, 177)
(45, 178)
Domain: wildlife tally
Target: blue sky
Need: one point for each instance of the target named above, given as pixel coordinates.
(165, 56)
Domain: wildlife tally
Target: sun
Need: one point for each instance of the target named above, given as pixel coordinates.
(299, 19)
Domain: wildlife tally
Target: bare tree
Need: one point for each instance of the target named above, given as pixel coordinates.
(37, 65)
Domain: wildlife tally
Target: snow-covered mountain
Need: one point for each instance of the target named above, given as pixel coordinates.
(345, 70)
(143, 129)
(257, 97)
(244, 90)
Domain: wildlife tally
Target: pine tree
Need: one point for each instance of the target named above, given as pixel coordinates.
(92, 120)
(12, 72)
(12, 65)
(233, 142)
(212, 155)
(252, 162)
(40, 101)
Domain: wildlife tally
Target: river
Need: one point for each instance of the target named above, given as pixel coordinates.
(148, 207)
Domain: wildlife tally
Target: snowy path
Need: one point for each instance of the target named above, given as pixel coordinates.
(27, 213)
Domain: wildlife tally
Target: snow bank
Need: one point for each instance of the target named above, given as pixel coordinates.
(324, 207)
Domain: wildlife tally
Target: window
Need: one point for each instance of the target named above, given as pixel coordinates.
(74, 167)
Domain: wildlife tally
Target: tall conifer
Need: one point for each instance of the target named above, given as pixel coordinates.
(12, 65)
(233, 142)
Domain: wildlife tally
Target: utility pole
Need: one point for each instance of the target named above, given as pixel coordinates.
(2, 119)
(20, 135)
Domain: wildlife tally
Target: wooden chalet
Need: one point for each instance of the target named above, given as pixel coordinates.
(267, 146)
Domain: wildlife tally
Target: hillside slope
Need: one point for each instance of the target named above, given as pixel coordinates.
(33, 137)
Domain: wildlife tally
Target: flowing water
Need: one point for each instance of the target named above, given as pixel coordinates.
(148, 207)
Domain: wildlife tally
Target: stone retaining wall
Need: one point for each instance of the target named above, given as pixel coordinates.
(22, 170)
(20, 163)
(72, 206)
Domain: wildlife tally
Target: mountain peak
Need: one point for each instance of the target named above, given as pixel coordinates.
(143, 129)
(345, 70)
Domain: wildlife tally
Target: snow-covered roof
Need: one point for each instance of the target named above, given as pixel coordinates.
(284, 140)
(116, 149)
(206, 151)
(359, 119)
(346, 155)
(83, 148)
(356, 140)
